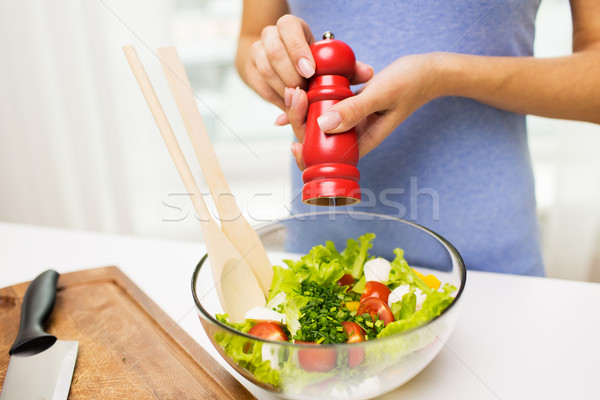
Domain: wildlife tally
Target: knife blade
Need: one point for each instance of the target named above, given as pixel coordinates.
(40, 366)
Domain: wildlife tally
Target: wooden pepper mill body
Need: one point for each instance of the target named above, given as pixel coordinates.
(331, 177)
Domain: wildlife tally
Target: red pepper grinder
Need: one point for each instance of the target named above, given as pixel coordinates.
(331, 177)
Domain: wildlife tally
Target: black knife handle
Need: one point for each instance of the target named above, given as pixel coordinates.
(36, 308)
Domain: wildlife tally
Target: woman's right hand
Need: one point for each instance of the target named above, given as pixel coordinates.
(280, 58)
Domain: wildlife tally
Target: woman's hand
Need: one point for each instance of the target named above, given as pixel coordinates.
(282, 59)
(383, 103)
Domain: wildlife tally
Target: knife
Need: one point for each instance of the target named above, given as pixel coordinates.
(40, 366)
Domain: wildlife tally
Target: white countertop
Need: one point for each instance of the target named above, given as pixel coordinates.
(516, 337)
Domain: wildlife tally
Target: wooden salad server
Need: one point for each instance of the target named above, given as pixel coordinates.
(234, 225)
(237, 287)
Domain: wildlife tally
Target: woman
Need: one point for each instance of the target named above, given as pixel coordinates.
(441, 116)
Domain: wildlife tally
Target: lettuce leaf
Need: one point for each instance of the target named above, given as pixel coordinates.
(291, 310)
(402, 273)
(409, 304)
(334, 253)
(433, 306)
(284, 280)
(406, 307)
(251, 358)
(359, 286)
(320, 265)
(356, 254)
(286, 283)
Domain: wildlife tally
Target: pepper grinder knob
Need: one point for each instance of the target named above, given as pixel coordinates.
(331, 177)
(328, 35)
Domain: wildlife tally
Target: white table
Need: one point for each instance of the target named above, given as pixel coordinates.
(516, 338)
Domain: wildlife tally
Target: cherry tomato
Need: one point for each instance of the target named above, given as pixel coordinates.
(268, 331)
(376, 289)
(346, 280)
(317, 360)
(354, 331)
(356, 355)
(376, 307)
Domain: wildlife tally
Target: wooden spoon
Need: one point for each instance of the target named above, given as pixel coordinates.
(237, 287)
(233, 223)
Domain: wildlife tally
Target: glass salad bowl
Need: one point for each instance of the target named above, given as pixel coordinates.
(359, 370)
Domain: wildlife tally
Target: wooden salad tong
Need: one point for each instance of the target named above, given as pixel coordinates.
(233, 224)
(235, 278)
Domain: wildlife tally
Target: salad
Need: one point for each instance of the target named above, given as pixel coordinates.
(331, 297)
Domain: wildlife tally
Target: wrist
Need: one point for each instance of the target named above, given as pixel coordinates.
(448, 77)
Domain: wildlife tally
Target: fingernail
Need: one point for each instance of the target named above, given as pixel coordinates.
(305, 67)
(287, 97)
(281, 120)
(295, 97)
(296, 150)
(329, 120)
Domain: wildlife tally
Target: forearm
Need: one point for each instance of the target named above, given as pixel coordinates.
(256, 15)
(564, 87)
(243, 53)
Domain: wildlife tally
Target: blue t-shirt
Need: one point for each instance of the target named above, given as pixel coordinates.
(456, 166)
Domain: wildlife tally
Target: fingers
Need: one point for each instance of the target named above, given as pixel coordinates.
(279, 69)
(280, 59)
(373, 130)
(256, 81)
(282, 119)
(297, 37)
(349, 112)
(297, 103)
(265, 68)
(362, 73)
(297, 153)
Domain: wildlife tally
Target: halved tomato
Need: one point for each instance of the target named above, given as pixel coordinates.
(317, 360)
(268, 331)
(376, 307)
(354, 331)
(346, 280)
(356, 355)
(376, 289)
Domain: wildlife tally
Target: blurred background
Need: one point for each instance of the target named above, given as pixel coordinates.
(79, 148)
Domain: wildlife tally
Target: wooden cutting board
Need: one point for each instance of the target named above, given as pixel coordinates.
(128, 347)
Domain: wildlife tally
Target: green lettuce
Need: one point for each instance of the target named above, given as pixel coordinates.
(406, 307)
(245, 353)
(284, 280)
(320, 266)
(356, 254)
(359, 286)
(285, 287)
(402, 273)
(434, 304)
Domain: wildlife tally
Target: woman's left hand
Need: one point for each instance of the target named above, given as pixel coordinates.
(385, 101)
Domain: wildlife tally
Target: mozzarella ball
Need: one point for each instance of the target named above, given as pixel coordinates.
(262, 314)
(269, 352)
(420, 298)
(396, 295)
(377, 269)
